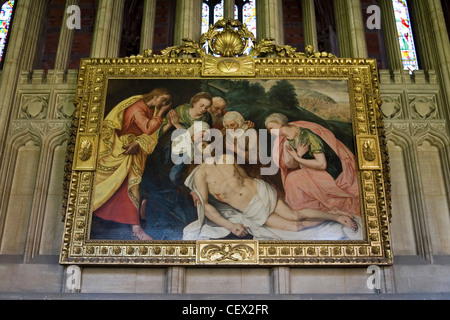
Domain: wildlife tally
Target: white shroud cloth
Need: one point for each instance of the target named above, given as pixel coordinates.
(254, 217)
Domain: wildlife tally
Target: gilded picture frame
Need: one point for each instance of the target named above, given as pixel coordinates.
(228, 55)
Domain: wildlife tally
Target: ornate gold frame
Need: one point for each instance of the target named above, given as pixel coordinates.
(226, 57)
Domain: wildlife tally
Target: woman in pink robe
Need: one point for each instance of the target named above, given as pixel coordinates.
(315, 181)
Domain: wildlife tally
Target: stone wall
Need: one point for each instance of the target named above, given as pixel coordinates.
(36, 106)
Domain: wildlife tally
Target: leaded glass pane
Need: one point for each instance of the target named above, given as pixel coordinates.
(405, 35)
(5, 21)
(218, 12)
(205, 17)
(249, 16)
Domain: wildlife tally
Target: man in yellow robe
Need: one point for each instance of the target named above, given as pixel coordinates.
(129, 134)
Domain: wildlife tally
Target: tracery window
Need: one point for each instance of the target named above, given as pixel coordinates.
(405, 35)
(249, 16)
(244, 11)
(6, 15)
(205, 17)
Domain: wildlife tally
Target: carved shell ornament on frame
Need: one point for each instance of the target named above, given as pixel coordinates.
(231, 38)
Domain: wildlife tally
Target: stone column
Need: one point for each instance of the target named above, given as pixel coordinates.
(281, 277)
(309, 23)
(148, 25)
(108, 29)
(269, 22)
(433, 43)
(65, 40)
(176, 280)
(440, 32)
(391, 35)
(441, 47)
(188, 22)
(228, 9)
(423, 38)
(36, 16)
(350, 29)
(418, 205)
(23, 37)
(116, 28)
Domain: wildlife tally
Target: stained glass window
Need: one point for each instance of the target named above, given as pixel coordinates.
(244, 11)
(205, 17)
(212, 11)
(405, 35)
(249, 16)
(218, 11)
(5, 21)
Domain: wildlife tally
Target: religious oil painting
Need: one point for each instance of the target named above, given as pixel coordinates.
(258, 155)
(319, 201)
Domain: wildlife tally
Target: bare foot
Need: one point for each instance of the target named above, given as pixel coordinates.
(139, 234)
(346, 221)
(340, 212)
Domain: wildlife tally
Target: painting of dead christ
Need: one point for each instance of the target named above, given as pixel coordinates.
(227, 159)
